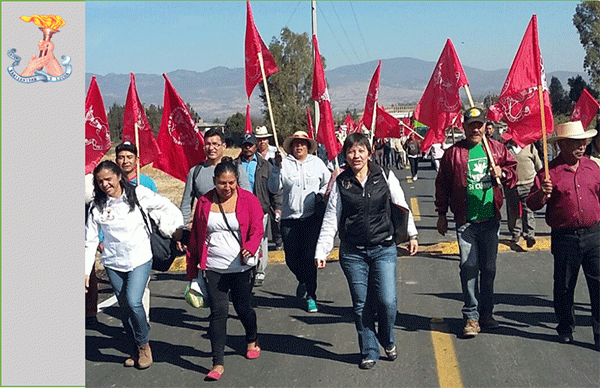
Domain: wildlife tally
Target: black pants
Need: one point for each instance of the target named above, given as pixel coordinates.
(299, 244)
(218, 287)
(414, 165)
(572, 249)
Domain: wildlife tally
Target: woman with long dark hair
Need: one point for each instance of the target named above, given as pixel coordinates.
(226, 233)
(359, 207)
(127, 256)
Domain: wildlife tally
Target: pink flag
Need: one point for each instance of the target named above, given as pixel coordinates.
(181, 145)
(440, 102)
(248, 119)
(350, 124)
(372, 97)
(310, 129)
(255, 45)
(519, 101)
(97, 134)
(134, 113)
(407, 124)
(585, 109)
(386, 125)
(326, 133)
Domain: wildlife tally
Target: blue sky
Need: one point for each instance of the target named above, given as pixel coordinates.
(156, 37)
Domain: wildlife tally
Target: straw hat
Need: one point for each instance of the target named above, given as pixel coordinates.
(571, 130)
(262, 132)
(287, 143)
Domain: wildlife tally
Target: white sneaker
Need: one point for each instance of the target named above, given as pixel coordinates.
(415, 178)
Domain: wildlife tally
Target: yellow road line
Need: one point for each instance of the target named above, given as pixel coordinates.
(409, 179)
(445, 357)
(414, 207)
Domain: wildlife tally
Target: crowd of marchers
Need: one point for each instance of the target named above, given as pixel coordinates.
(228, 206)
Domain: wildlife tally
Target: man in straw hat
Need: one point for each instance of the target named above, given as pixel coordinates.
(265, 150)
(571, 193)
(467, 184)
(303, 178)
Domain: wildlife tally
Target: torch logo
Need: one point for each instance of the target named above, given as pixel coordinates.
(44, 67)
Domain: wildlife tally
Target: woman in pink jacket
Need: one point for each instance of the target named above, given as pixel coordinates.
(226, 233)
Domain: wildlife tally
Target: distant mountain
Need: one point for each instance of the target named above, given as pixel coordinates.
(220, 92)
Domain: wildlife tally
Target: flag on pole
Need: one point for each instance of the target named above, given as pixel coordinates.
(350, 124)
(519, 102)
(255, 45)
(134, 113)
(386, 125)
(248, 120)
(440, 102)
(372, 97)
(585, 109)
(310, 129)
(408, 125)
(181, 144)
(326, 132)
(97, 133)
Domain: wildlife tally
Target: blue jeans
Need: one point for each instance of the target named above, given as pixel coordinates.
(129, 289)
(371, 275)
(478, 246)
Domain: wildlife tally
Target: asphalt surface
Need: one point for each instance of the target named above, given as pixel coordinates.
(300, 349)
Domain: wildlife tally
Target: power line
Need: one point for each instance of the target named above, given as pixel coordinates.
(344, 30)
(336, 39)
(359, 31)
(293, 12)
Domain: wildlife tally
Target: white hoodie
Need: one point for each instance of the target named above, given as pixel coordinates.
(300, 181)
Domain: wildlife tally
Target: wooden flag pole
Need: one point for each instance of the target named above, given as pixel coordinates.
(264, 78)
(137, 146)
(544, 137)
(412, 130)
(486, 146)
(373, 120)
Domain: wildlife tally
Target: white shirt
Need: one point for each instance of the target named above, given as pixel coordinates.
(300, 182)
(333, 215)
(223, 249)
(126, 239)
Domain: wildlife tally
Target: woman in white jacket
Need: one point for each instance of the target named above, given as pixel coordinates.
(359, 208)
(127, 254)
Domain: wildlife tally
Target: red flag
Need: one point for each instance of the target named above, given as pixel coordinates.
(309, 125)
(585, 109)
(134, 113)
(255, 45)
(326, 133)
(248, 119)
(407, 123)
(372, 97)
(350, 124)
(97, 134)
(181, 145)
(440, 102)
(386, 125)
(519, 101)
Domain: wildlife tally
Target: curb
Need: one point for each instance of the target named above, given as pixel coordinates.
(443, 248)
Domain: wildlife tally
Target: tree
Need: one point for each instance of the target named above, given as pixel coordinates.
(587, 22)
(490, 100)
(290, 88)
(235, 126)
(577, 84)
(115, 122)
(558, 97)
(154, 115)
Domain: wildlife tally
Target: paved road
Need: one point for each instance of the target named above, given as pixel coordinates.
(302, 349)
